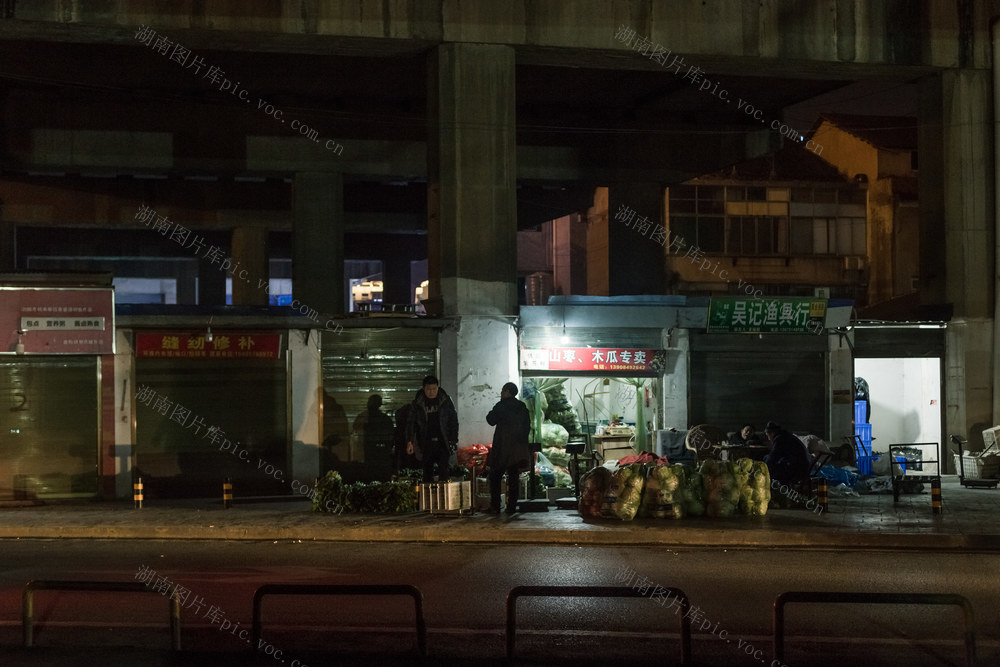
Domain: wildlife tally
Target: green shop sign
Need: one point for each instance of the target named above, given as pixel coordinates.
(765, 315)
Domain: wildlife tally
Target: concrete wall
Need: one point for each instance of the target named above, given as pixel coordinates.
(306, 398)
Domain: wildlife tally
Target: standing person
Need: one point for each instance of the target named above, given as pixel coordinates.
(788, 460)
(509, 453)
(432, 429)
(376, 434)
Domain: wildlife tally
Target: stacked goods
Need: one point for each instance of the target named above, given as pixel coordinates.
(722, 488)
(624, 493)
(554, 435)
(756, 493)
(593, 486)
(559, 409)
(693, 495)
(665, 490)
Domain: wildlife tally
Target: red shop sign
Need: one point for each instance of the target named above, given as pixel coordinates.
(609, 359)
(224, 345)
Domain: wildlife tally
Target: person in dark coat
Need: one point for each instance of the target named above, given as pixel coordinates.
(509, 453)
(375, 428)
(788, 460)
(432, 429)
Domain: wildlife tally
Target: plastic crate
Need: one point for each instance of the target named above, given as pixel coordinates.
(864, 431)
(860, 412)
(865, 464)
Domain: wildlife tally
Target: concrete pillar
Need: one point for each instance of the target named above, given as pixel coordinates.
(635, 260)
(472, 224)
(211, 282)
(841, 369)
(250, 266)
(307, 396)
(957, 215)
(318, 241)
(471, 171)
(677, 344)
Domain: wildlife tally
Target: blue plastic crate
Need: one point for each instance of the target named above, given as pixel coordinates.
(864, 432)
(860, 412)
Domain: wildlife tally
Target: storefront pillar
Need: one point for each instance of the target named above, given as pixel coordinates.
(958, 237)
(677, 344)
(841, 396)
(318, 242)
(124, 435)
(307, 396)
(472, 224)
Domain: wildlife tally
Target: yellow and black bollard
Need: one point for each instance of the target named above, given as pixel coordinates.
(822, 497)
(227, 493)
(137, 493)
(936, 496)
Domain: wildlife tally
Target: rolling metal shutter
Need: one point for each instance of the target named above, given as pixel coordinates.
(360, 362)
(49, 427)
(737, 379)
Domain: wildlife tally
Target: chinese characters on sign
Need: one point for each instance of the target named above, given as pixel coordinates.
(58, 320)
(196, 346)
(587, 359)
(767, 315)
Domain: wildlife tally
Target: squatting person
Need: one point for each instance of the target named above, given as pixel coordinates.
(432, 429)
(788, 459)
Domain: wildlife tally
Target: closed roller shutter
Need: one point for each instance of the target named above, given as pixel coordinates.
(49, 427)
(246, 400)
(778, 377)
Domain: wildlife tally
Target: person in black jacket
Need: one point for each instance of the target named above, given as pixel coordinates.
(509, 453)
(788, 460)
(432, 429)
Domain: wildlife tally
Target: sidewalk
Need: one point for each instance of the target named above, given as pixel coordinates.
(970, 522)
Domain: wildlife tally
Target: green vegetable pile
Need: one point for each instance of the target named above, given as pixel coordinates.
(396, 497)
(554, 435)
(755, 495)
(624, 494)
(722, 487)
(666, 487)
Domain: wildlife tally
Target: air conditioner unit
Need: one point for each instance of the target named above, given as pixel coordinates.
(854, 263)
(821, 292)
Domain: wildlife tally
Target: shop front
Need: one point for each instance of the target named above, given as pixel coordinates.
(368, 374)
(211, 406)
(56, 366)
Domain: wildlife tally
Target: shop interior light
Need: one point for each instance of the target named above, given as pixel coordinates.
(564, 338)
(208, 333)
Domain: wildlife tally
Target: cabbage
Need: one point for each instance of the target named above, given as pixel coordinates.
(554, 435)
(664, 493)
(721, 482)
(624, 494)
(557, 455)
(693, 497)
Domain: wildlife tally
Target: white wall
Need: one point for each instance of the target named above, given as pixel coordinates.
(905, 400)
(306, 399)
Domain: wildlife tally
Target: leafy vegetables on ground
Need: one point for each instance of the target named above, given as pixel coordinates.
(396, 497)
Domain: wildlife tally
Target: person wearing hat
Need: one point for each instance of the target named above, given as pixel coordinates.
(510, 452)
(432, 429)
(788, 459)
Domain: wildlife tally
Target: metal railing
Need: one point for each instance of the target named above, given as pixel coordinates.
(872, 598)
(593, 592)
(28, 602)
(340, 589)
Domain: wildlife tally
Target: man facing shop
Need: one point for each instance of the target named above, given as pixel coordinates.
(509, 453)
(432, 429)
(788, 460)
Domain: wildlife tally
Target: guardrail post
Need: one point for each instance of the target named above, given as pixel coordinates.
(137, 493)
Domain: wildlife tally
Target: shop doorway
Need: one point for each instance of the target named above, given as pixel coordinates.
(905, 399)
